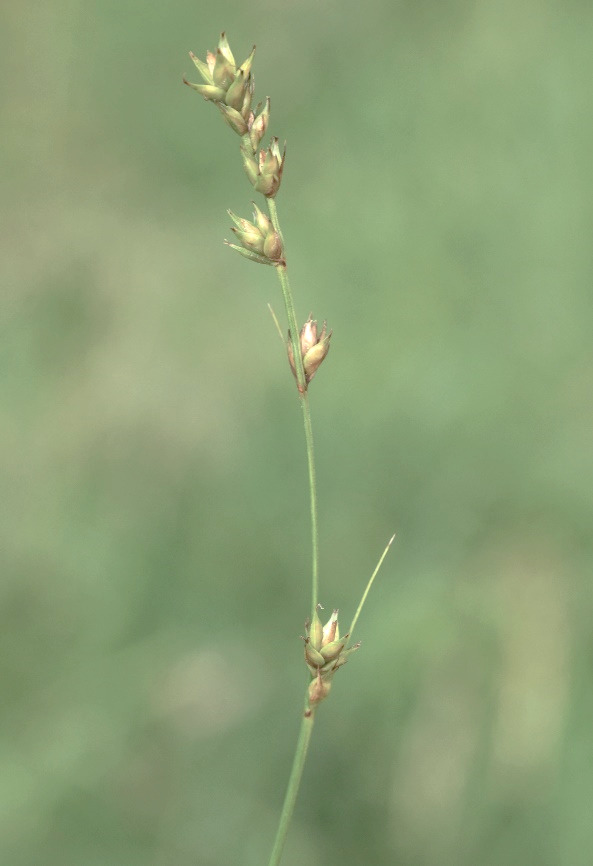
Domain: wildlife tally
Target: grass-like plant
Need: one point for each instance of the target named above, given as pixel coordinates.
(231, 88)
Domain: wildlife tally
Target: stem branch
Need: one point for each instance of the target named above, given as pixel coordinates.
(368, 587)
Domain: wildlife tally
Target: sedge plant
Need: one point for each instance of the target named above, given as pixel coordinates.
(230, 87)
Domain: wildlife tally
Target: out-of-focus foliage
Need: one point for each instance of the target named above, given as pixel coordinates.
(437, 210)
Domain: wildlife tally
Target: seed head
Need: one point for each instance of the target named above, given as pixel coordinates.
(259, 124)
(228, 85)
(314, 348)
(258, 240)
(325, 652)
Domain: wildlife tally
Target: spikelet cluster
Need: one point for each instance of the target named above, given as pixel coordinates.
(325, 653)
(231, 88)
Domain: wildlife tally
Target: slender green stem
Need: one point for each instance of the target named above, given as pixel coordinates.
(302, 387)
(313, 502)
(309, 712)
(294, 782)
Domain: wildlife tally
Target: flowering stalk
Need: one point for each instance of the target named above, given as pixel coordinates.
(231, 88)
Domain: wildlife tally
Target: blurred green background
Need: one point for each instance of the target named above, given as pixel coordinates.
(155, 540)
